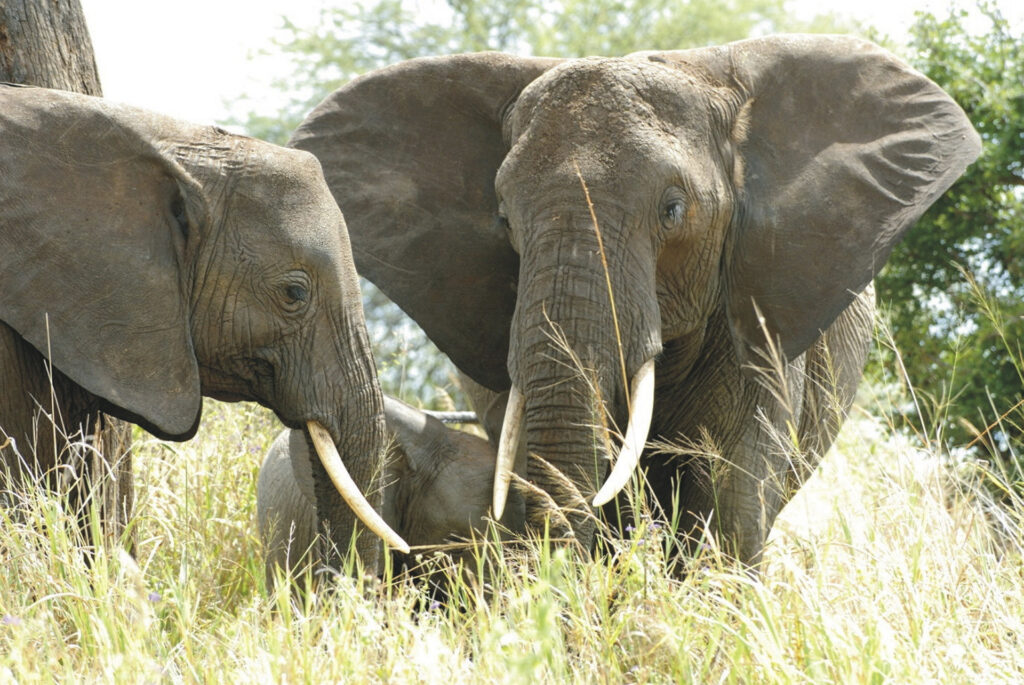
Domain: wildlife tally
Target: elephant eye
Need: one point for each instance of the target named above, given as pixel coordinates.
(180, 215)
(673, 213)
(295, 292)
(502, 222)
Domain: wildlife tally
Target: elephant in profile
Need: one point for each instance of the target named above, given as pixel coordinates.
(147, 262)
(437, 489)
(625, 245)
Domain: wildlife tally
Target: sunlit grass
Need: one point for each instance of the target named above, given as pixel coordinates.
(891, 564)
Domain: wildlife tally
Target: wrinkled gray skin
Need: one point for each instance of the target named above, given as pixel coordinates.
(437, 489)
(153, 262)
(749, 189)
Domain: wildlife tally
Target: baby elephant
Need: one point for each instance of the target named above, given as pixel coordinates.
(438, 488)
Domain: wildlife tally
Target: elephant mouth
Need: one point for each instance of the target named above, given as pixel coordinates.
(641, 410)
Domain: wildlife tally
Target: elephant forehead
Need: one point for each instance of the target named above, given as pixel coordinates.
(290, 179)
(284, 192)
(582, 93)
(616, 119)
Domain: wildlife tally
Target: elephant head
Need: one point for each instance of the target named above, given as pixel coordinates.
(566, 227)
(437, 488)
(154, 261)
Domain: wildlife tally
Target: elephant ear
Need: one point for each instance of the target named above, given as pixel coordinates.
(844, 147)
(91, 244)
(410, 152)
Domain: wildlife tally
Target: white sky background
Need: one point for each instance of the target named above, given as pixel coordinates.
(187, 57)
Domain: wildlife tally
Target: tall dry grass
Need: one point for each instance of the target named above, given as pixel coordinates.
(892, 564)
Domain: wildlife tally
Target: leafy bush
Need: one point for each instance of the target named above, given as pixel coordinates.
(954, 287)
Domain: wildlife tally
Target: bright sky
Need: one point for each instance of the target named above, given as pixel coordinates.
(184, 58)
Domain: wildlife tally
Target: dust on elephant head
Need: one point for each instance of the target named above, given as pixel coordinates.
(607, 233)
(153, 261)
(437, 490)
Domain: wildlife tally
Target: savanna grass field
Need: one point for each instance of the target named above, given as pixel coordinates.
(897, 562)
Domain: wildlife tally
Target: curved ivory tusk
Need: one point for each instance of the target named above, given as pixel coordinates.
(347, 488)
(641, 401)
(508, 446)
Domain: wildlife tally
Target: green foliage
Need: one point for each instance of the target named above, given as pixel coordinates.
(355, 38)
(358, 37)
(955, 286)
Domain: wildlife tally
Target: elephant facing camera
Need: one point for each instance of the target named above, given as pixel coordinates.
(620, 239)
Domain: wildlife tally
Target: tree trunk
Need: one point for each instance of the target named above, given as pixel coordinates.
(46, 43)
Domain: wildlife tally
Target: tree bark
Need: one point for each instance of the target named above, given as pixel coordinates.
(46, 43)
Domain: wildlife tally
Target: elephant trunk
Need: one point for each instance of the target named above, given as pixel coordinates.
(347, 488)
(349, 415)
(572, 357)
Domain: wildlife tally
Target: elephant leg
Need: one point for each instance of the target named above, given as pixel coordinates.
(762, 469)
(728, 478)
(835, 365)
(750, 489)
(81, 451)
